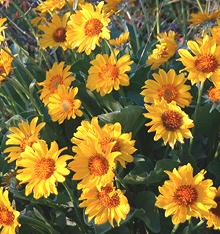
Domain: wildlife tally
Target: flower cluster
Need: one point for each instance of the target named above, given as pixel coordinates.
(97, 150)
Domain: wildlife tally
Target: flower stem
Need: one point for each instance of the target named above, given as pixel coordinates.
(158, 16)
(196, 115)
(174, 228)
(74, 200)
(199, 5)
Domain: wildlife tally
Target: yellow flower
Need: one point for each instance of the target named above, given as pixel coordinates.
(5, 63)
(2, 28)
(112, 5)
(169, 86)
(40, 19)
(184, 196)
(87, 26)
(22, 136)
(122, 39)
(63, 105)
(41, 168)
(108, 134)
(8, 215)
(93, 166)
(56, 76)
(105, 204)
(108, 73)
(164, 50)
(52, 5)
(214, 94)
(213, 217)
(215, 31)
(202, 17)
(205, 61)
(54, 32)
(169, 122)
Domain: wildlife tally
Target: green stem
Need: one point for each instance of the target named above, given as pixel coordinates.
(111, 49)
(196, 116)
(199, 5)
(198, 225)
(217, 151)
(74, 200)
(158, 16)
(184, 18)
(135, 30)
(145, 15)
(174, 228)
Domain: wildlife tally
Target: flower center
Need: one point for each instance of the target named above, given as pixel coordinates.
(214, 94)
(93, 27)
(67, 105)
(185, 195)
(168, 92)
(109, 72)
(55, 82)
(26, 142)
(216, 211)
(206, 63)
(172, 120)
(44, 168)
(6, 216)
(2, 69)
(108, 197)
(59, 35)
(163, 51)
(116, 147)
(98, 165)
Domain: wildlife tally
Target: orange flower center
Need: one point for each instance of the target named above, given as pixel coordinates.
(98, 165)
(67, 105)
(108, 198)
(109, 72)
(26, 142)
(6, 216)
(59, 35)
(2, 69)
(185, 195)
(93, 27)
(106, 140)
(163, 51)
(214, 94)
(168, 92)
(55, 82)
(216, 211)
(172, 120)
(44, 168)
(116, 147)
(206, 63)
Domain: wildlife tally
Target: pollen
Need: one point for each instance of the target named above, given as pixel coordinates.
(216, 210)
(108, 197)
(186, 195)
(109, 72)
(214, 94)
(44, 168)
(55, 82)
(93, 27)
(67, 105)
(59, 35)
(168, 92)
(98, 165)
(206, 63)
(171, 120)
(6, 216)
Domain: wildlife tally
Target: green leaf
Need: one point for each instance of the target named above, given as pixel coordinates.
(131, 118)
(151, 218)
(153, 177)
(213, 168)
